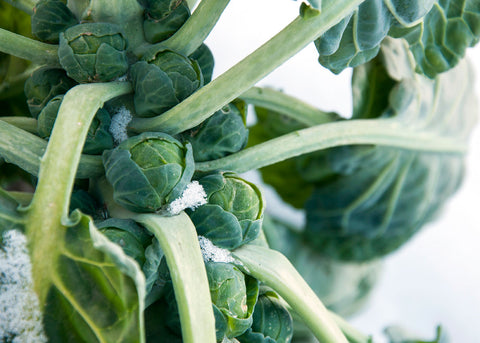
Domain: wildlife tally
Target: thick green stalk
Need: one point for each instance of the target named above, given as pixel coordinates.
(274, 269)
(288, 105)
(196, 29)
(27, 48)
(241, 77)
(25, 123)
(25, 150)
(178, 240)
(386, 132)
(353, 335)
(23, 5)
(49, 208)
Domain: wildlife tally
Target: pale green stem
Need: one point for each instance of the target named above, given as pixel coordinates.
(14, 84)
(25, 150)
(178, 239)
(196, 29)
(387, 132)
(241, 77)
(27, 48)
(49, 208)
(288, 105)
(25, 123)
(272, 268)
(353, 334)
(23, 5)
(23, 198)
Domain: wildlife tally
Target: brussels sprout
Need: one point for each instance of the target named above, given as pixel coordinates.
(93, 52)
(205, 60)
(223, 133)
(148, 171)
(48, 115)
(164, 18)
(164, 82)
(234, 212)
(44, 84)
(132, 238)
(50, 17)
(98, 136)
(233, 295)
(272, 323)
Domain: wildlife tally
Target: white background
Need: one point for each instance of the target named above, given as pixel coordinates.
(435, 278)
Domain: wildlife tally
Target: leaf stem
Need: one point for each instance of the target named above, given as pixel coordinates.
(25, 150)
(288, 105)
(178, 239)
(386, 132)
(23, 5)
(27, 48)
(196, 29)
(238, 79)
(25, 123)
(49, 208)
(353, 335)
(274, 269)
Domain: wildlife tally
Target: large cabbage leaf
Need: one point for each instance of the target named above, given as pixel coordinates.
(438, 33)
(380, 195)
(96, 292)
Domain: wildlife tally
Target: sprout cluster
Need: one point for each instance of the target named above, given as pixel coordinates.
(153, 172)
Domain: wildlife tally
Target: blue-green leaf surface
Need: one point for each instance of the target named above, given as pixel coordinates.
(438, 33)
(380, 196)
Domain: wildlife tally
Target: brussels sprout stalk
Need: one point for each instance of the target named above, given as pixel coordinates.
(26, 150)
(209, 99)
(288, 105)
(274, 269)
(191, 35)
(178, 240)
(375, 131)
(27, 48)
(23, 5)
(24, 123)
(49, 210)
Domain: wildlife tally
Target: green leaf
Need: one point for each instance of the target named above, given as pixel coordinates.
(438, 32)
(96, 292)
(381, 195)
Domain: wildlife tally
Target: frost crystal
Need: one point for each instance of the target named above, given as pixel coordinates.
(192, 197)
(118, 127)
(20, 316)
(212, 253)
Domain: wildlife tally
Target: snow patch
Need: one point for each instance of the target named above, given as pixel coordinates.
(118, 127)
(212, 253)
(20, 315)
(192, 197)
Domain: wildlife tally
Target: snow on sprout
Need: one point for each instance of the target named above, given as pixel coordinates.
(192, 197)
(118, 127)
(20, 316)
(212, 253)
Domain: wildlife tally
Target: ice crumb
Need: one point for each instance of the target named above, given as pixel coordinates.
(20, 315)
(118, 127)
(212, 253)
(192, 197)
(122, 78)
